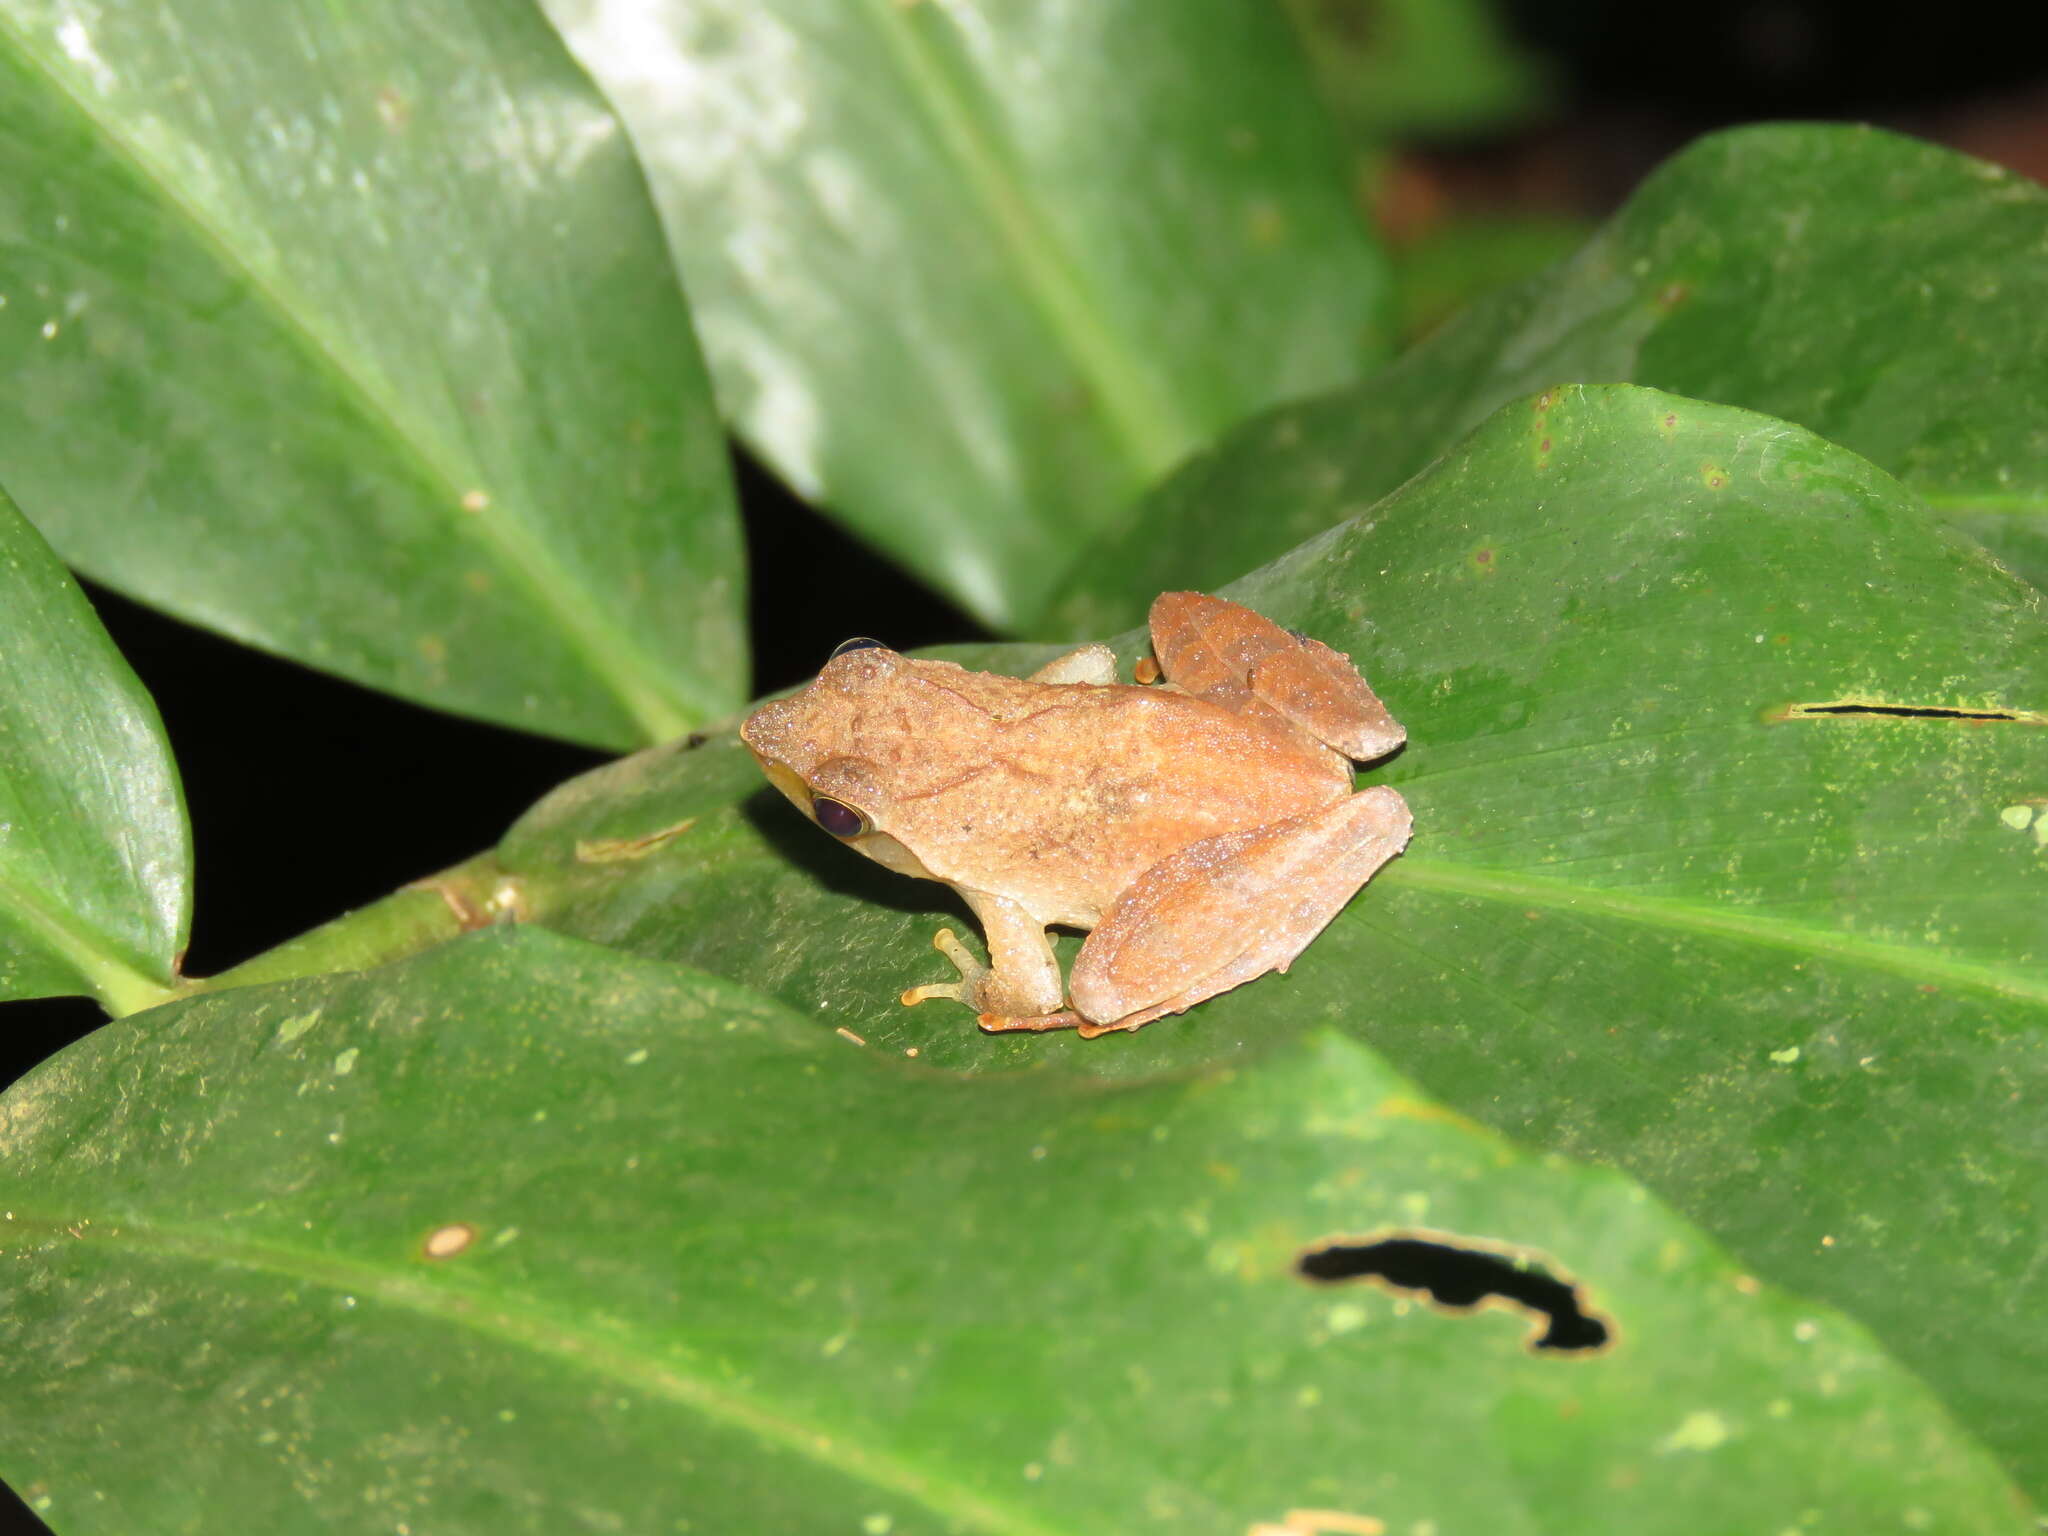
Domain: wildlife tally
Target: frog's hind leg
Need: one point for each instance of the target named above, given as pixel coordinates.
(1223, 651)
(1229, 908)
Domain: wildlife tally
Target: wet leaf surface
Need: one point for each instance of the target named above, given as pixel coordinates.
(352, 335)
(974, 276)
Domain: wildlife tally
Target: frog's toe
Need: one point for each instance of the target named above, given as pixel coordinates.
(962, 991)
(1000, 1024)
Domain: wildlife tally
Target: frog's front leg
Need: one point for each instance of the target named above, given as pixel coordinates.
(1020, 987)
(1094, 664)
(1229, 908)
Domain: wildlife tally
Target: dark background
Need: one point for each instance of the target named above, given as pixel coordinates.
(309, 795)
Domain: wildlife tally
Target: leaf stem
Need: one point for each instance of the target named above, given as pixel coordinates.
(427, 912)
(122, 990)
(120, 987)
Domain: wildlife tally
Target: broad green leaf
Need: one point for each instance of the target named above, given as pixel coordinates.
(975, 275)
(349, 331)
(1888, 294)
(1788, 969)
(95, 854)
(525, 1236)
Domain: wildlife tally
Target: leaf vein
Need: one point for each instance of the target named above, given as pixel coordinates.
(1735, 923)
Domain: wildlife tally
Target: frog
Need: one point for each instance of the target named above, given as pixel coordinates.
(1200, 824)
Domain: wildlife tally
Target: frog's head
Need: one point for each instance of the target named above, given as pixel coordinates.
(837, 749)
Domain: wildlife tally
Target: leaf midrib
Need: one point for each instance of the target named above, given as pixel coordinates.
(1728, 922)
(1149, 430)
(630, 1362)
(646, 692)
(2001, 503)
(123, 983)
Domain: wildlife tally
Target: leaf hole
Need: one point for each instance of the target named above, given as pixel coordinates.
(1462, 1278)
(1906, 712)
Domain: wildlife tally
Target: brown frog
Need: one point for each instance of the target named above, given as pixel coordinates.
(1202, 831)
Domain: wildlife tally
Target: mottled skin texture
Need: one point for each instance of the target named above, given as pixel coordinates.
(1204, 830)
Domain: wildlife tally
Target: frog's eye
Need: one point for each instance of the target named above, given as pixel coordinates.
(837, 817)
(857, 643)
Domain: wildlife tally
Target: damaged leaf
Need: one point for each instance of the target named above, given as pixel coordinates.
(1634, 883)
(473, 1242)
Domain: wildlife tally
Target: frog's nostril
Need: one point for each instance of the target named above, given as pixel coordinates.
(837, 817)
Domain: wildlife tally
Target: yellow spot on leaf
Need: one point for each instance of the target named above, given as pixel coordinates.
(1320, 1522)
(297, 1025)
(1266, 224)
(606, 850)
(1703, 1430)
(446, 1242)
(1400, 1106)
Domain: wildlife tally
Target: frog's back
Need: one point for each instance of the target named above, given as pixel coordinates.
(1094, 785)
(1173, 741)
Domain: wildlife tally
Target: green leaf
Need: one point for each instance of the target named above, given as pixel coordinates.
(351, 333)
(95, 854)
(522, 1236)
(1469, 256)
(1787, 968)
(975, 275)
(1402, 68)
(1745, 271)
